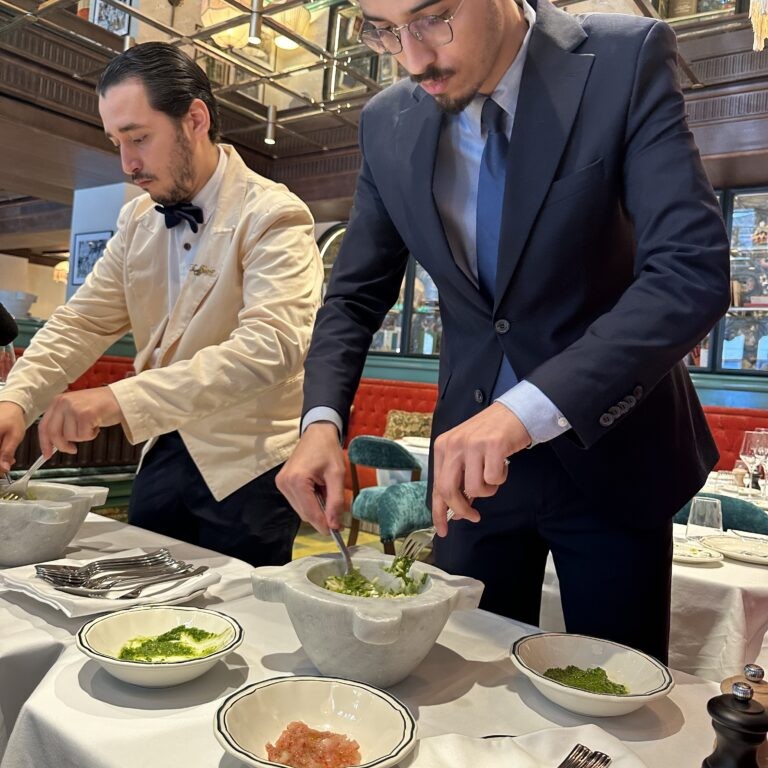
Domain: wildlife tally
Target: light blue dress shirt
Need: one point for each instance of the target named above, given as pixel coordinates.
(454, 186)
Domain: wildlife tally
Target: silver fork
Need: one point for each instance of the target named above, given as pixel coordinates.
(415, 541)
(338, 539)
(598, 760)
(104, 592)
(576, 757)
(74, 574)
(17, 490)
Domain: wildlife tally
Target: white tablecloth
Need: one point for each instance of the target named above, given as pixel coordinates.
(80, 716)
(33, 635)
(719, 616)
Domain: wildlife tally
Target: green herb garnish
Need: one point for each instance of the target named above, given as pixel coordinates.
(594, 680)
(357, 585)
(177, 644)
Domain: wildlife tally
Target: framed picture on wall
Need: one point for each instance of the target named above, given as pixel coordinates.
(110, 18)
(88, 246)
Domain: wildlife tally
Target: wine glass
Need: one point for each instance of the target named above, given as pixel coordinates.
(7, 359)
(705, 518)
(754, 448)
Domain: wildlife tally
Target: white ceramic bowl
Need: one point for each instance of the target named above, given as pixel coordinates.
(102, 639)
(378, 641)
(39, 529)
(646, 678)
(257, 714)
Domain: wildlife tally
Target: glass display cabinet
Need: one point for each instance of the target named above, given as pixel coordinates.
(738, 343)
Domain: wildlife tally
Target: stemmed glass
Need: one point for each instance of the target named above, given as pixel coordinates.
(754, 449)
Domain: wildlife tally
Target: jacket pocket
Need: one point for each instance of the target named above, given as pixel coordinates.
(575, 182)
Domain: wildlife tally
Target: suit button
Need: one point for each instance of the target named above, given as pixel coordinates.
(501, 326)
(623, 406)
(606, 420)
(479, 396)
(615, 411)
(630, 401)
(638, 391)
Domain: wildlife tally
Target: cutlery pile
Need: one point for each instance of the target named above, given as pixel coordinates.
(130, 574)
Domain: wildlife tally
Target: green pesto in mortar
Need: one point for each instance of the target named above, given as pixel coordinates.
(594, 680)
(354, 583)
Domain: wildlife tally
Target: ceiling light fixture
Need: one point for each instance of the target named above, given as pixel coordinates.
(297, 20)
(215, 12)
(254, 27)
(269, 136)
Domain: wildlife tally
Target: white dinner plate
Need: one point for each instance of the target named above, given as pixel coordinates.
(746, 550)
(694, 554)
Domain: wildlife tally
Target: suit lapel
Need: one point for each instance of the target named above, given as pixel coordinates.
(550, 94)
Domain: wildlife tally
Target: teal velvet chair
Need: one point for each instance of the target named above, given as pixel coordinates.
(738, 514)
(397, 509)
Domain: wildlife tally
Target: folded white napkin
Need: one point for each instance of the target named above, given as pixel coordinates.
(24, 579)
(540, 749)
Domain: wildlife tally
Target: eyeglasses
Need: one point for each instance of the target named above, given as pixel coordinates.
(430, 30)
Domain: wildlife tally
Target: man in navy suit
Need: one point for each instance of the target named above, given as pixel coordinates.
(539, 166)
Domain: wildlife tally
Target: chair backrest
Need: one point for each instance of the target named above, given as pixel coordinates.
(381, 453)
(739, 514)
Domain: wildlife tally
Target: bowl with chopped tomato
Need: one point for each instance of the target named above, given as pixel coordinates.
(590, 676)
(315, 722)
(375, 625)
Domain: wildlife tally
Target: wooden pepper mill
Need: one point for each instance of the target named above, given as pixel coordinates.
(754, 675)
(740, 725)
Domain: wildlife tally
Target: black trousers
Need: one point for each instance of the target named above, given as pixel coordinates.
(254, 524)
(615, 574)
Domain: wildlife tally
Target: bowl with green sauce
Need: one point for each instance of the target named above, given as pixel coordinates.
(590, 676)
(40, 527)
(157, 646)
(374, 627)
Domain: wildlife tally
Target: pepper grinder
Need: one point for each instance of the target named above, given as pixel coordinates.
(740, 724)
(753, 675)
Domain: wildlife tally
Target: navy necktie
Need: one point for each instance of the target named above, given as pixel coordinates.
(178, 212)
(490, 202)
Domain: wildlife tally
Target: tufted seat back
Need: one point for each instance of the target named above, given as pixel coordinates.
(728, 426)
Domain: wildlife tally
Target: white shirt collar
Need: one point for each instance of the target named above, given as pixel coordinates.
(206, 198)
(506, 92)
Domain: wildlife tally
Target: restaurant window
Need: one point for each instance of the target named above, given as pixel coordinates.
(417, 332)
(737, 343)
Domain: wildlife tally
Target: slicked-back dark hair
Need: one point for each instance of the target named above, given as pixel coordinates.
(171, 78)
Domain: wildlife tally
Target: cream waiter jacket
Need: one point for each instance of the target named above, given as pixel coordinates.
(230, 355)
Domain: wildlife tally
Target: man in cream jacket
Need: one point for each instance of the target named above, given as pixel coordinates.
(216, 272)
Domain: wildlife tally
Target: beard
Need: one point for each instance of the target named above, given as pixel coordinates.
(455, 104)
(182, 172)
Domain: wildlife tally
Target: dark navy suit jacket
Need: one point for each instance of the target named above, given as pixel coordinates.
(613, 260)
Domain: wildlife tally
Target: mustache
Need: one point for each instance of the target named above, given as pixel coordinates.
(141, 177)
(432, 73)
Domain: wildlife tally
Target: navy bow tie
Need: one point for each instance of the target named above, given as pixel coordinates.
(178, 212)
